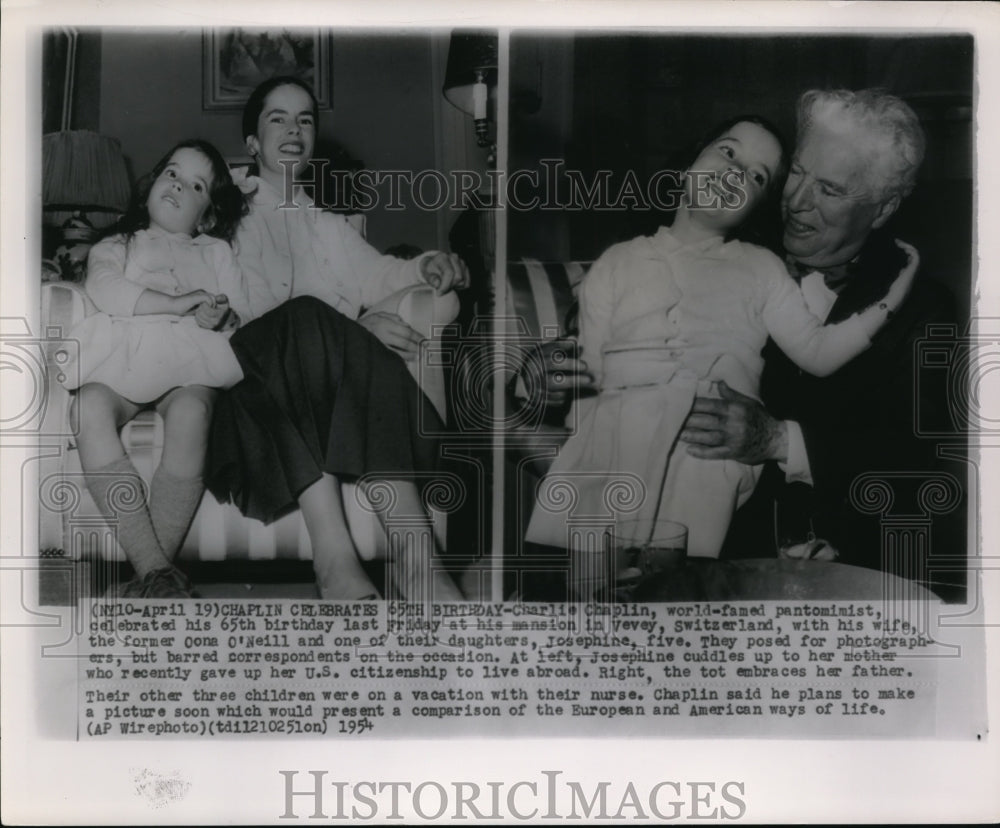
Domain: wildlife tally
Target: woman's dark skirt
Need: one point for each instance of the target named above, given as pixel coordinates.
(319, 394)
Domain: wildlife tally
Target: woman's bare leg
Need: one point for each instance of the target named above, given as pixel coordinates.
(413, 552)
(339, 574)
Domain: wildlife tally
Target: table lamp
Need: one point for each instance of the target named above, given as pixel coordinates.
(470, 81)
(82, 173)
(471, 76)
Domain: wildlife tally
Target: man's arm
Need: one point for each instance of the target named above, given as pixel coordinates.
(881, 433)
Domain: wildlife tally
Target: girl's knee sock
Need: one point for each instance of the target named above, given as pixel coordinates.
(172, 503)
(120, 495)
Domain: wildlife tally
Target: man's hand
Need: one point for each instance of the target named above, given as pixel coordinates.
(814, 550)
(393, 332)
(210, 316)
(556, 371)
(734, 427)
(444, 272)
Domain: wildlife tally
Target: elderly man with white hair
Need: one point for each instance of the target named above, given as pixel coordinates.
(856, 158)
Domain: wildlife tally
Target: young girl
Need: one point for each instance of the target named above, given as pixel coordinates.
(667, 317)
(169, 292)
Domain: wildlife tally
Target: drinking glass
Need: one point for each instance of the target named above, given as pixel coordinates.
(645, 548)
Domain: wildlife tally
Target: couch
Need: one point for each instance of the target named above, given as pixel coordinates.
(69, 520)
(539, 298)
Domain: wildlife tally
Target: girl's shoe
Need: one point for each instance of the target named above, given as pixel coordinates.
(166, 582)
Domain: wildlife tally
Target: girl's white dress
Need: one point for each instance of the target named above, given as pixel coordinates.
(143, 356)
(661, 322)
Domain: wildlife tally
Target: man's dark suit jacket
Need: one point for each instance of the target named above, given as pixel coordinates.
(859, 420)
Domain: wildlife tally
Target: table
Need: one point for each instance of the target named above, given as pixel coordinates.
(774, 579)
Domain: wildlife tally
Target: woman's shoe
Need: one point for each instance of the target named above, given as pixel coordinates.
(368, 596)
(168, 582)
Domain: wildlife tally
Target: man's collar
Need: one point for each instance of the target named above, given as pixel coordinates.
(835, 277)
(868, 275)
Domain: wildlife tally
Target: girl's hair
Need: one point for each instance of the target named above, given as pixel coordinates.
(255, 103)
(226, 203)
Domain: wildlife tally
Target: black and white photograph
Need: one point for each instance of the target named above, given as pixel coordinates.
(250, 486)
(540, 414)
(788, 438)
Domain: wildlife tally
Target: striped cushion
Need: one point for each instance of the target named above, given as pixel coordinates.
(540, 296)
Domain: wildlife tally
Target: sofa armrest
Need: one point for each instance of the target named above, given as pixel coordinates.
(64, 304)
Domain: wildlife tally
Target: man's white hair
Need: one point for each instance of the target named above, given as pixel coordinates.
(890, 122)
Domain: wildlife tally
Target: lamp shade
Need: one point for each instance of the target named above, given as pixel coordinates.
(472, 61)
(82, 170)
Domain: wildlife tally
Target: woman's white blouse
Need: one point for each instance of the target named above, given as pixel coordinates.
(289, 249)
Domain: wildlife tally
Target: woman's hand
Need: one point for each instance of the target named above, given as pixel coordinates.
(444, 272)
(211, 316)
(188, 303)
(393, 332)
(900, 288)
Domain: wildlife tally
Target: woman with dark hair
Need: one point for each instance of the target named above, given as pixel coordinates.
(686, 312)
(327, 397)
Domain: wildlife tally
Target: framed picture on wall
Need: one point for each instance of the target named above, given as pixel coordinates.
(235, 61)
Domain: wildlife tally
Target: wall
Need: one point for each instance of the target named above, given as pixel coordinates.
(385, 96)
(541, 126)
